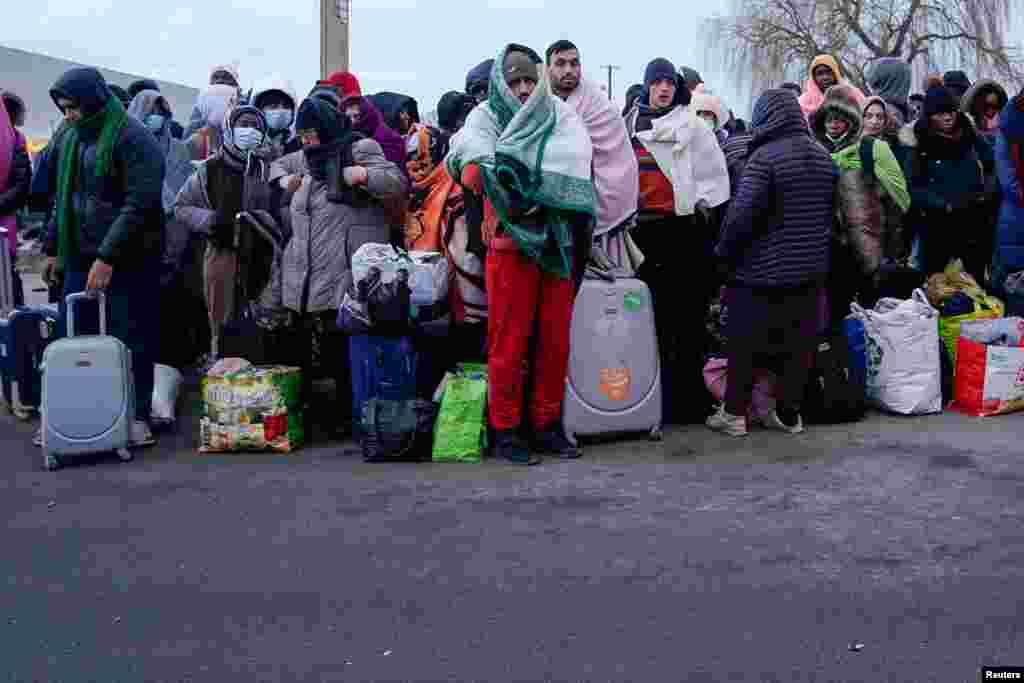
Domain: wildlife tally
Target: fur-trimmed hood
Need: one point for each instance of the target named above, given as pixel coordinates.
(980, 89)
(838, 103)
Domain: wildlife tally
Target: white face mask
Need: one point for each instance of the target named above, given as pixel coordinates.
(247, 139)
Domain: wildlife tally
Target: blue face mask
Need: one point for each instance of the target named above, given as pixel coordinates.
(247, 139)
(155, 122)
(278, 119)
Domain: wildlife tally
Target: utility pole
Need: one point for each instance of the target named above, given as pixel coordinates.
(334, 30)
(611, 68)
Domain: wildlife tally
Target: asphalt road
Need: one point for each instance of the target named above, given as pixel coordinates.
(698, 559)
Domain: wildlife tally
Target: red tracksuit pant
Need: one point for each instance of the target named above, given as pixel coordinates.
(528, 327)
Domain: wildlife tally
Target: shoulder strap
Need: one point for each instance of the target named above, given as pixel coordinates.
(867, 156)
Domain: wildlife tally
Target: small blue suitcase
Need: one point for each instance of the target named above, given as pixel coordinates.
(24, 334)
(382, 367)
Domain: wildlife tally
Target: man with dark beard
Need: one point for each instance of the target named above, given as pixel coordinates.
(564, 68)
(616, 178)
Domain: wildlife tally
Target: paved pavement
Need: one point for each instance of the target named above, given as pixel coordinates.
(891, 550)
(697, 559)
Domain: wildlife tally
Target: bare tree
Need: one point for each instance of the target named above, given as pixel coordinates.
(765, 42)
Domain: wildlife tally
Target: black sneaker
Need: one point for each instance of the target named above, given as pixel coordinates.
(552, 441)
(510, 446)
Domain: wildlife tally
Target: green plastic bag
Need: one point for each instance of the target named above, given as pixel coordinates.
(460, 434)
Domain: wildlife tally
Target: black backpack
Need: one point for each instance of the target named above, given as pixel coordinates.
(834, 393)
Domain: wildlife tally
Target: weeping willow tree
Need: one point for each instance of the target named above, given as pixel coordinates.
(765, 42)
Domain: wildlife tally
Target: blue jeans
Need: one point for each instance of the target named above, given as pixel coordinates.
(133, 316)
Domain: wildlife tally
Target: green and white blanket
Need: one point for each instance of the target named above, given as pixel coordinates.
(531, 156)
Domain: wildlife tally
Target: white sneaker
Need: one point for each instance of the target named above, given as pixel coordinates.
(141, 435)
(772, 421)
(728, 424)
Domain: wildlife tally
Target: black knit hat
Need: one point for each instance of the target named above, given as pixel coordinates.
(939, 100)
(659, 70)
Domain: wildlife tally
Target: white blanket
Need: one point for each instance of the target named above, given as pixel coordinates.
(689, 155)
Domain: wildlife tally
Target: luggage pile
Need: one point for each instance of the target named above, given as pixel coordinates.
(25, 331)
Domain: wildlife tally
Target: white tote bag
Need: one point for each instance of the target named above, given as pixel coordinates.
(904, 372)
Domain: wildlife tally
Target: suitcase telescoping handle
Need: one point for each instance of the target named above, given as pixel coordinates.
(72, 302)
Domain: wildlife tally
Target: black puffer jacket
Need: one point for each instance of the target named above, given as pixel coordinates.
(120, 217)
(780, 222)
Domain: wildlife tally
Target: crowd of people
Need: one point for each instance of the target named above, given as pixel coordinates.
(254, 209)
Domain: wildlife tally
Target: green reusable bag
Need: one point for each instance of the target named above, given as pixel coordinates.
(460, 434)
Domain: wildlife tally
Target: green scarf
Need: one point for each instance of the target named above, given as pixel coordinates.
(532, 155)
(105, 125)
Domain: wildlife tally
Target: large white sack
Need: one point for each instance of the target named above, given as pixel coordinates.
(166, 388)
(904, 371)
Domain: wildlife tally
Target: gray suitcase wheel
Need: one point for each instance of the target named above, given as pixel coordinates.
(50, 463)
(125, 455)
(656, 434)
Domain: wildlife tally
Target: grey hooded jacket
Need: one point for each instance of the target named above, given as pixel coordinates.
(325, 235)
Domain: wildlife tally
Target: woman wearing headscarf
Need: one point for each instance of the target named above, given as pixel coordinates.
(237, 267)
(15, 181)
(340, 182)
(108, 172)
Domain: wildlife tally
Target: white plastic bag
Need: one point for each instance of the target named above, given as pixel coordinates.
(904, 372)
(428, 270)
(166, 387)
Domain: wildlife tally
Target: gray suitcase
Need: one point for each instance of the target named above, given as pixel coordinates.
(614, 384)
(88, 393)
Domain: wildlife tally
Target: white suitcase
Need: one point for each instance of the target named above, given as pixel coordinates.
(88, 392)
(614, 384)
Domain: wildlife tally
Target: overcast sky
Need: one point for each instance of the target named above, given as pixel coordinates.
(422, 48)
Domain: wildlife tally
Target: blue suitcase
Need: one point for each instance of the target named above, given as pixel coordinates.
(24, 334)
(382, 367)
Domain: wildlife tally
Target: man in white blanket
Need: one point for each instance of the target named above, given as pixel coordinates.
(683, 180)
(529, 155)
